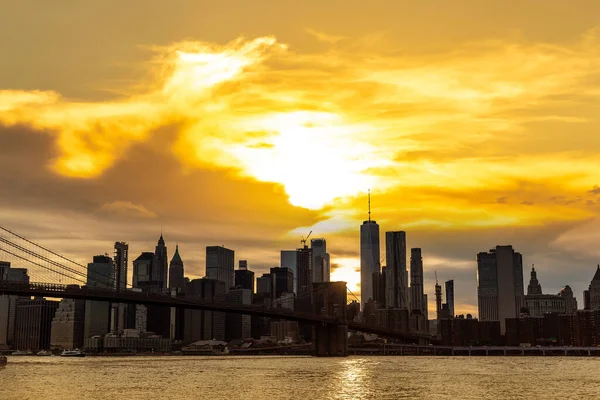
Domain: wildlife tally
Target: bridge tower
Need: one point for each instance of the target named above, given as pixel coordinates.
(329, 299)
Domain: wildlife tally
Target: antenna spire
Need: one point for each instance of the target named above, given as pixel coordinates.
(369, 194)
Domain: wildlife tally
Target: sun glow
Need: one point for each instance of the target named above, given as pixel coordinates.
(347, 270)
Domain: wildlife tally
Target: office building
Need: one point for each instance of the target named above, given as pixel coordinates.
(119, 310)
(499, 285)
(379, 289)
(238, 326)
(8, 303)
(176, 273)
(537, 304)
(594, 291)
(397, 279)
(438, 300)
(450, 297)
(220, 265)
(416, 281)
(288, 260)
(67, 325)
(160, 266)
(142, 270)
(282, 280)
(304, 267)
(33, 324)
(202, 324)
(320, 261)
(244, 278)
(264, 285)
(100, 274)
(369, 257)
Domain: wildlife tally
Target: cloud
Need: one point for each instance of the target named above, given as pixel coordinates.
(324, 37)
(127, 209)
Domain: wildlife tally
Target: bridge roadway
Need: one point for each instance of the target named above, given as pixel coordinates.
(128, 296)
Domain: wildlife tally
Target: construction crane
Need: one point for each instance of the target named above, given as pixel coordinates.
(303, 241)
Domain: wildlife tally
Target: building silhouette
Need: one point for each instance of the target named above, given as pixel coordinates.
(33, 324)
(8, 303)
(244, 278)
(176, 273)
(160, 266)
(142, 270)
(288, 260)
(119, 310)
(416, 281)
(238, 326)
(203, 324)
(264, 285)
(304, 267)
(220, 265)
(100, 274)
(397, 279)
(68, 324)
(537, 304)
(369, 257)
(282, 280)
(320, 260)
(499, 285)
(450, 297)
(594, 291)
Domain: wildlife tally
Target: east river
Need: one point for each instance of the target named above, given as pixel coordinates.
(306, 378)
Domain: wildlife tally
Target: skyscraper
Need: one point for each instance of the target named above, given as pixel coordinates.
(282, 280)
(264, 285)
(397, 284)
(244, 278)
(8, 303)
(499, 285)
(304, 267)
(33, 323)
(438, 300)
(320, 260)
(369, 256)
(100, 274)
(142, 270)
(288, 260)
(68, 323)
(176, 275)
(160, 265)
(220, 265)
(594, 291)
(416, 281)
(118, 318)
(450, 297)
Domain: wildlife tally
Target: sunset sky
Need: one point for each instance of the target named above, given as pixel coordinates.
(250, 123)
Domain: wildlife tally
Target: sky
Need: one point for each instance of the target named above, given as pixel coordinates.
(250, 124)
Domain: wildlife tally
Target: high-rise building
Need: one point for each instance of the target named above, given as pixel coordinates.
(288, 260)
(416, 281)
(119, 310)
(304, 267)
(397, 280)
(282, 280)
(238, 326)
(499, 285)
(100, 274)
(203, 324)
(321, 269)
(68, 324)
(594, 291)
(142, 270)
(438, 300)
(379, 292)
(244, 278)
(8, 303)
(176, 274)
(33, 324)
(450, 297)
(264, 285)
(369, 257)
(160, 265)
(220, 265)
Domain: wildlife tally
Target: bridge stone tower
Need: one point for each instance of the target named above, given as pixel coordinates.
(329, 299)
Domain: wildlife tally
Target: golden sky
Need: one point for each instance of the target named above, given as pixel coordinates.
(248, 124)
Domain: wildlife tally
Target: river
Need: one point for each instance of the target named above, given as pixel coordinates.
(306, 378)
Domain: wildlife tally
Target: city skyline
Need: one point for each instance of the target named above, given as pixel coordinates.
(470, 137)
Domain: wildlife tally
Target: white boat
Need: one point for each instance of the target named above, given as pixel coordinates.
(44, 353)
(72, 353)
(22, 353)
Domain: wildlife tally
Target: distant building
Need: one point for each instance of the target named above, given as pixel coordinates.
(304, 267)
(202, 324)
(397, 279)
(244, 278)
(160, 265)
(499, 284)
(594, 291)
(119, 310)
(282, 280)
(379, 289)
(68, 324)
(238, 326)
(264, 284)
(100, 274)
(369, 257)
(288, 260)
(320, 260)
(538, 304)
(142, 270)
(438, 301)
(33, 324)
(176, 273)
(8, 303)
(416, 281)
(450, 297)
(220, 265)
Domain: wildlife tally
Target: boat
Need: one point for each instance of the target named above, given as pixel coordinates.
(44, 353)
(22, 353)
(72, 353)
